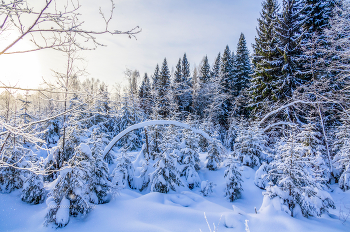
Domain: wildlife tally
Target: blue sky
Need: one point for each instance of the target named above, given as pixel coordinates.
(169, 29)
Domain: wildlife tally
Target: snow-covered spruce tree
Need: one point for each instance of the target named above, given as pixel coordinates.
(316, 15)
(296, 187)
(261, 179)
(242, 67)
(189, 158)
(123, 173)
(207, 188)
(166, 177)
(250, 146)
(99, 185)
(233, 180)
(288, 34)
(312, 141)
(143, 167)
(215, 155)
(203, 97)
(130, 115)
(53, 133)
(227, 77)
(70, 196)
(265, 59)
(33, 191)
(145, 96)
(163, 91)
(12, 178)
(342, 157)
(182, 87)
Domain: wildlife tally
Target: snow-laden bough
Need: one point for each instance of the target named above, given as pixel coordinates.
(153, 123)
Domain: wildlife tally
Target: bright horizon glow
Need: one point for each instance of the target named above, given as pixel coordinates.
(169, 29)
(20, 70)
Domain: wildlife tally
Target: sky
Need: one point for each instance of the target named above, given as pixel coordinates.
(169, 29)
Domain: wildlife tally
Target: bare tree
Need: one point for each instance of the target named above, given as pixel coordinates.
(52, 24)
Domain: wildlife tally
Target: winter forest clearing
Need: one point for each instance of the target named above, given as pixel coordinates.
(255, 141)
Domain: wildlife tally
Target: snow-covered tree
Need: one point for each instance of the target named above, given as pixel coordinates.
(261, 176)
(265, 59)
(166, 177)
(288, 33)
(145, 96)
(250, 146)
(70, 195)
(242, 67)
(130, 115)
(233, 180)
(342, 157)
(296, 185)
(99, 185)
(189, 159)
(33, 191)
(123, 173)
(215, 155)
(207, 188)
(12, 177)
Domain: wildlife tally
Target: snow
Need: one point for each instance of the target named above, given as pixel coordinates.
(179, 211)
(62, 215)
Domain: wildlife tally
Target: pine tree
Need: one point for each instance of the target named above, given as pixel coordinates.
(12, 178)
(233, 180)
(182, 88)
(265, 59)
(189, 158)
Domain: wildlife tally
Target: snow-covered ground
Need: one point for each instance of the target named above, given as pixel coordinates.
(182, 211)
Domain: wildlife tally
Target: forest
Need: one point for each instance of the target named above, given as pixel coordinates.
(281, 109)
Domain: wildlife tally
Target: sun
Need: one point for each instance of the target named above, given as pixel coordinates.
(23, 69)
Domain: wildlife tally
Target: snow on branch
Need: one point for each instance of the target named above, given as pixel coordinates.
(152, 123)
(286, 106)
